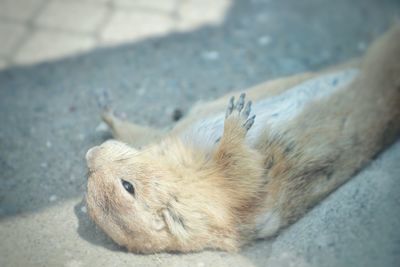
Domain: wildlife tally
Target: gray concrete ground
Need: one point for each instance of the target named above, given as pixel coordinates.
(49, 119)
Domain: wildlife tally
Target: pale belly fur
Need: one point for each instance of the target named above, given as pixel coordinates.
(272, 113)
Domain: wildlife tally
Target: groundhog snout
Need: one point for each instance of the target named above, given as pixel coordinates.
(106, 152)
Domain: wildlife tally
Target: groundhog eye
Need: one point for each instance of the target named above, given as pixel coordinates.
(128, 187)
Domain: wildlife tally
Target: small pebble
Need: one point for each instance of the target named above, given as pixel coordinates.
(141, 91)
(264, 40)
(261, 18)
(81, 137)
(210, 55)
(48, 144)
(102, 127)
(177, 114)
(83, 209)
(53, 198)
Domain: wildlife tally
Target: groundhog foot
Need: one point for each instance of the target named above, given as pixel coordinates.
(103, 100)
(238, 162)
(237, 116)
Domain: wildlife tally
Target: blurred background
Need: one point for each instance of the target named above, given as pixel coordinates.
(34, 31)
(156, 57)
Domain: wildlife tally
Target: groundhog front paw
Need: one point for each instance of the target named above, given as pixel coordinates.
(233, 154)
(237, 114)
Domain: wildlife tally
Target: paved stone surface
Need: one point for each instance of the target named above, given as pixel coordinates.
(82, 16)
(193, 14)
(49, 120)
(50, 45)
(142, 24)
(19, 10)
(107, 22)
(10, 34)
(161, 6)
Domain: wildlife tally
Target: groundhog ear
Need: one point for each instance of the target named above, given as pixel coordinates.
(175, 223)
(159, 223)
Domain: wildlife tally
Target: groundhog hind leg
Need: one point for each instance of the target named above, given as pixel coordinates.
(122, 130)
(133, 134)
(240, 164)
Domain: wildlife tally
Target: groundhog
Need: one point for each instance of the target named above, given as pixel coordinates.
(235, 170)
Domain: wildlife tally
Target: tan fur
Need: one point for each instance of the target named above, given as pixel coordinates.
(188, 198)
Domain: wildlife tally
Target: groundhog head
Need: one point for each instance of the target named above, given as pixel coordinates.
(147, 201)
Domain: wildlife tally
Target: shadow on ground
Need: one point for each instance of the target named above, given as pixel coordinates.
(90, 232)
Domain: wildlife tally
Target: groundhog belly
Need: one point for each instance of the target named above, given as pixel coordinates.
(272, 113)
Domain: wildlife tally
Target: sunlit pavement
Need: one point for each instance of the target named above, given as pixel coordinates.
(33, 31)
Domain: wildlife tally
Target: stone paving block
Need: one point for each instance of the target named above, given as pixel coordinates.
(196, 13)
(80, 16)
(156, 5)
(135, 25)
(48, 45)
(10, 34)
(21, 10)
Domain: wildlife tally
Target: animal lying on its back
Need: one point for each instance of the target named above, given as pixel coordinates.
(233, 171)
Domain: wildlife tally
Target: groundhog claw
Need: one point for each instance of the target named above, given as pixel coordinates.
(240, 103)
(241, 110)
(249, 122)
(231, 105)
(247, 110)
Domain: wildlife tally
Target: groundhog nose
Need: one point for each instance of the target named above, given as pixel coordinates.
(90, 156)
